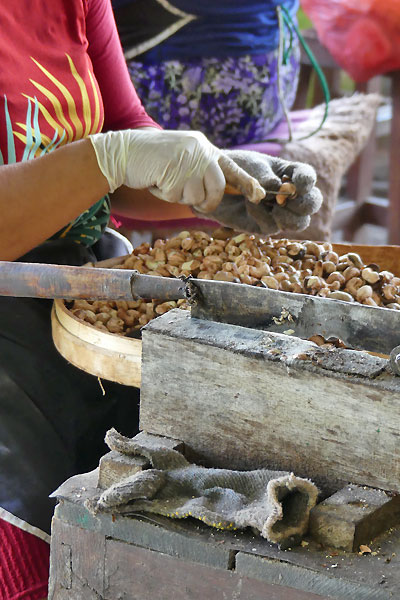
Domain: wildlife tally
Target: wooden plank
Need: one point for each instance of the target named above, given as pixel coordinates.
(76, 563)
(241, 398)
(166, 536)
(308, 580)
(135, 573)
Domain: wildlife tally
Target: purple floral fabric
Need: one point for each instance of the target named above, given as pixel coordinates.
(231, 100)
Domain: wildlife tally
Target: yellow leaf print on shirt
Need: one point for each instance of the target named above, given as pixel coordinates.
(67, 125)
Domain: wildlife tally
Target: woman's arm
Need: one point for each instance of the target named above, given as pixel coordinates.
(143, 206)
(40, 196)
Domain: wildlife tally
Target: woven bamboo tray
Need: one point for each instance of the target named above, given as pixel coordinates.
(107, 355)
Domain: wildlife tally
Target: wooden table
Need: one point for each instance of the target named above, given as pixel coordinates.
(111, 557)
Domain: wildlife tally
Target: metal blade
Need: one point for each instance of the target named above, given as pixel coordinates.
(360, 327)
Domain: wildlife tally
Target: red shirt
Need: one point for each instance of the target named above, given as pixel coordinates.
(63, 76)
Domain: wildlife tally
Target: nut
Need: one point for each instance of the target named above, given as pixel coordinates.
(270, 282)
(353, 258)
(389, 292)
(164, 307)
(317, 339)
(295, 249)
(328, 267)
(353, 285)
(351, 272)
(224, 276)
(288, 192)
(364, 292)
(115, 325)
(341, 296)
(313, 248)
(370, 276)
(336, 276)
(314, 283)
(305, 267)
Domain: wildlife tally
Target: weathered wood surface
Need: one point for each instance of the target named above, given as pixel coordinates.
(76, 563)
(154, 576)
(112, 569)
(353, 516)
(241, 398)
(114, 556)
(105, 355)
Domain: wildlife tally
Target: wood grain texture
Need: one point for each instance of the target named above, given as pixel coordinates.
(135, 573)
(241, 398)
(76, 563)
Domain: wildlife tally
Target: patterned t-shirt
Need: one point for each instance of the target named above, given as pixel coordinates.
(63, 76)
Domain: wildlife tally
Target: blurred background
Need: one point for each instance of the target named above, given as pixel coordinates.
(357, 47)
(367, 181)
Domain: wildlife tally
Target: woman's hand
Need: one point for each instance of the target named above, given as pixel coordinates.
(268, 217)
(176, 166)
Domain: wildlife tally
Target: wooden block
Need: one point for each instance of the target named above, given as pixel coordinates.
(354, 515)
(242, 398)
(115, 466)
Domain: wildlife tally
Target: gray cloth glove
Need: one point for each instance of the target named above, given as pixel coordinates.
(276, 504)
(268, 217)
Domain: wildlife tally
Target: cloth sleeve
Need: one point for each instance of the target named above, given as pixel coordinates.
(122, 106)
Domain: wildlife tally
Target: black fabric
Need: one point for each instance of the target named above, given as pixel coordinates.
(53, 416)
(140, 21)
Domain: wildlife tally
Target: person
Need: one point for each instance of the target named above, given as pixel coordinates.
(75, 138)
(212, 65)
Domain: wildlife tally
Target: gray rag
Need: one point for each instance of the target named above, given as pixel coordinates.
(274, 503)
(268, 217)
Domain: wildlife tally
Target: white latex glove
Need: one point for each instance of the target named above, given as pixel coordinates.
(176, 166)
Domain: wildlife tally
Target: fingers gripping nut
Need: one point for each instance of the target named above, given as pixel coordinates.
(286, 192)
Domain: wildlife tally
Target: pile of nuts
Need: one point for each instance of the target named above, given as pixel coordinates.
(303, 267)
